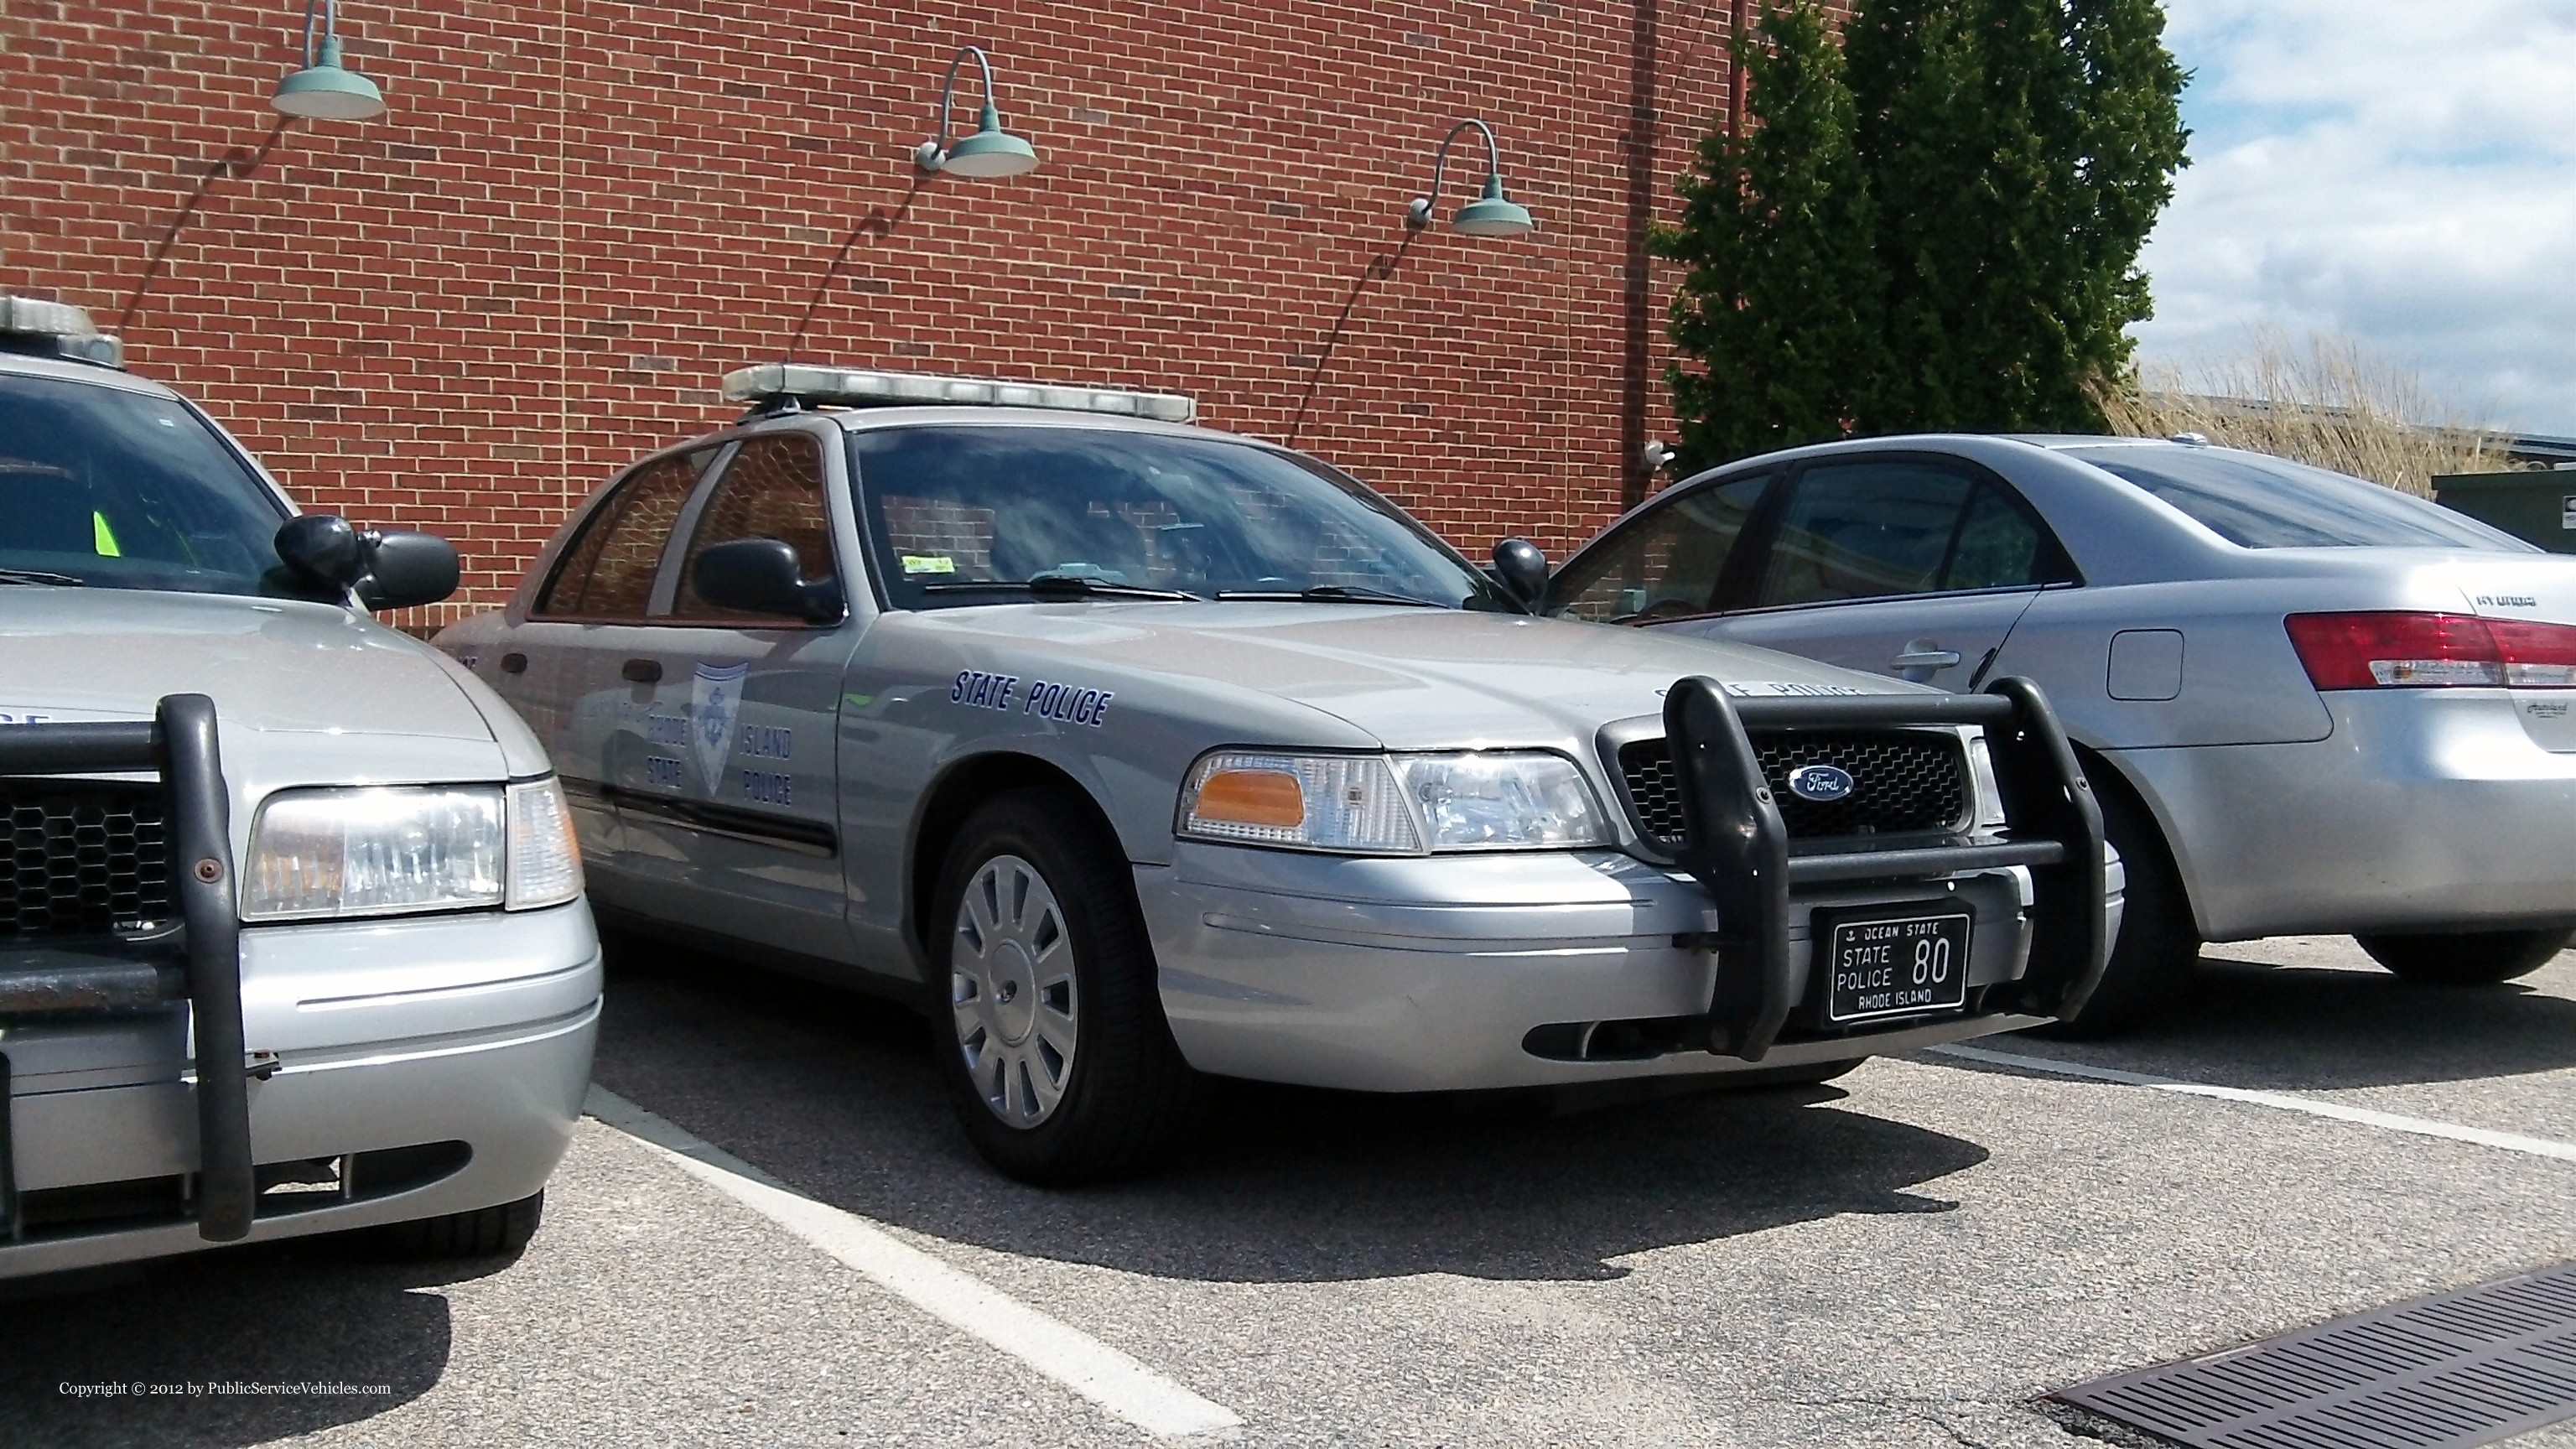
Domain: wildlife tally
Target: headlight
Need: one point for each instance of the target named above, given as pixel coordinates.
(393, 850)
(1393, 804)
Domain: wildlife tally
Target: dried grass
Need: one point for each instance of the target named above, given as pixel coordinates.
(2331, 402)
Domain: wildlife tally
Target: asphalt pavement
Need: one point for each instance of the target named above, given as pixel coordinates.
(1908, 1256)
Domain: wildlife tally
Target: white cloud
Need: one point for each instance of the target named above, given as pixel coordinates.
(2402, 173)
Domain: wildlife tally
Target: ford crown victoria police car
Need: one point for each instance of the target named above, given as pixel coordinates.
(292, 938)
(1137, 751)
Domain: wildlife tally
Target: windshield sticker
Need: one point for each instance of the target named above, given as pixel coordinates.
(983, 691)
(715, 698)
(931, 563)
(1786, 689)
(1068, 703)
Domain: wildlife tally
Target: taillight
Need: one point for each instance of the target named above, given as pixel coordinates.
(2432, 651)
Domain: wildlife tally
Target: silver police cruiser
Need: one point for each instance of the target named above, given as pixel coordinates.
(292, 937)
(1137, 753)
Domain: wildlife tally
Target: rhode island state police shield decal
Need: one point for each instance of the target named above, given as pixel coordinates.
(715, 702)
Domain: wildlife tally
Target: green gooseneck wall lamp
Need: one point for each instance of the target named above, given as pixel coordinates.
(324, 89)
(991, 151)
(1491, 214)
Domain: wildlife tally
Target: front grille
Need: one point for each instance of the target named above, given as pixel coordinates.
(1903, 781)
(82, 859)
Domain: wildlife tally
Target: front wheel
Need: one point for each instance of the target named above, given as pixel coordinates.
(2159, 943)
(1809, 1075)
(482, 1232)
(2474, 958)
(1049, 1025)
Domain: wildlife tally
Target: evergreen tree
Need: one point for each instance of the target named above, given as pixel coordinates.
(2019, 152)
(2003, 159)
(1780, 303)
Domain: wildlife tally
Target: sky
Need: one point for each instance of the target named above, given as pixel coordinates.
(2398, 172)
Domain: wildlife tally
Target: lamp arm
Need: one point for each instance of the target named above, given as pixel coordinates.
(330, 24)
(948, 87)
(1419, 215)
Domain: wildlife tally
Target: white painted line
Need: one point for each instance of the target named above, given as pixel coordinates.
(1058, 1350)
(2420, 1126)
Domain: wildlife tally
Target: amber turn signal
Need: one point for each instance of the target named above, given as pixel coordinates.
(1252, 797)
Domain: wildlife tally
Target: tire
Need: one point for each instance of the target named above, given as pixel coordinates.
(2159, 942)
(2473, 958)
(1083, 1083)
(484, 1232)
(1808, 1075)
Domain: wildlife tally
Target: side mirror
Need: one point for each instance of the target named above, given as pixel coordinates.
(1522, 570)
(387, 570)
(407, 569)
(762, 576)
(323, 549)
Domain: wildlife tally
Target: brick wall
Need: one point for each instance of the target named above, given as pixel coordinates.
(576, 215)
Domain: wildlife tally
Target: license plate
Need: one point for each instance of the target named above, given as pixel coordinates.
(1897, 966)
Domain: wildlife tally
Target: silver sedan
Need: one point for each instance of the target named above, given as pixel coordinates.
(2311, 704)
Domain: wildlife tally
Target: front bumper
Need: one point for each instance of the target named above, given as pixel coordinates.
(1509, 970)
(2424, 810)
(421, 1066)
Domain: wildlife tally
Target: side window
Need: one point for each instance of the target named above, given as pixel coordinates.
(1666, 564)
(1891, 527)
(608, 571)
(773, 488)
(2001, 546)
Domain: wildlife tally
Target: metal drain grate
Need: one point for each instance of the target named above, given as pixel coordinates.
(2461, 1368)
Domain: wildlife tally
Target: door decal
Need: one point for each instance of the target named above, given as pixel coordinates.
(715, 701)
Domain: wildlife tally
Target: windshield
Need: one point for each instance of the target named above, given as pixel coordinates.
(964, 515)
(119, 489)
(2259, 502)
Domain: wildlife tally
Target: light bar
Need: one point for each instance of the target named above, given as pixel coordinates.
(846, 387)
(69, 328)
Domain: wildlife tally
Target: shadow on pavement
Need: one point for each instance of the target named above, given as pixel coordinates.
(2252, 1024)
(294, 1313)
(834, 1093)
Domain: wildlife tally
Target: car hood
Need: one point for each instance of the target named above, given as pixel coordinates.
(1411, 678)
(270, 665)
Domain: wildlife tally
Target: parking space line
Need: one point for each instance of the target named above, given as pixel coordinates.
(2420, 1126)
(1056, 1349)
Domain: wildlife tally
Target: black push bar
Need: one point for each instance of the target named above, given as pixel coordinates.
(1736, 846)
(180, 746)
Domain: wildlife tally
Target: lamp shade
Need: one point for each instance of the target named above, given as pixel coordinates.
(328, 91)
(1493, 214)
(991, 151)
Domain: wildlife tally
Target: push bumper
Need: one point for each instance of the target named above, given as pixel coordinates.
(1556, 968)
(404, 1069)
(228, 1082)
(1465, 972)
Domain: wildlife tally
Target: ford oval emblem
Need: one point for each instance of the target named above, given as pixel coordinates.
(1820, 783)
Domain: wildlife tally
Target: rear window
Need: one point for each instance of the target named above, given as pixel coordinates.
(2259, 502)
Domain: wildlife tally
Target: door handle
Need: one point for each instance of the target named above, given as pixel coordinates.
(649, 671)
(1925, 659)
(514, 663)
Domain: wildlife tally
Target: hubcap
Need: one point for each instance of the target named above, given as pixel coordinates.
(1011, 991)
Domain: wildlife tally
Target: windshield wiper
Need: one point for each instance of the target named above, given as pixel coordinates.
(1331, 594)
(1067, 586)
(39, 576)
